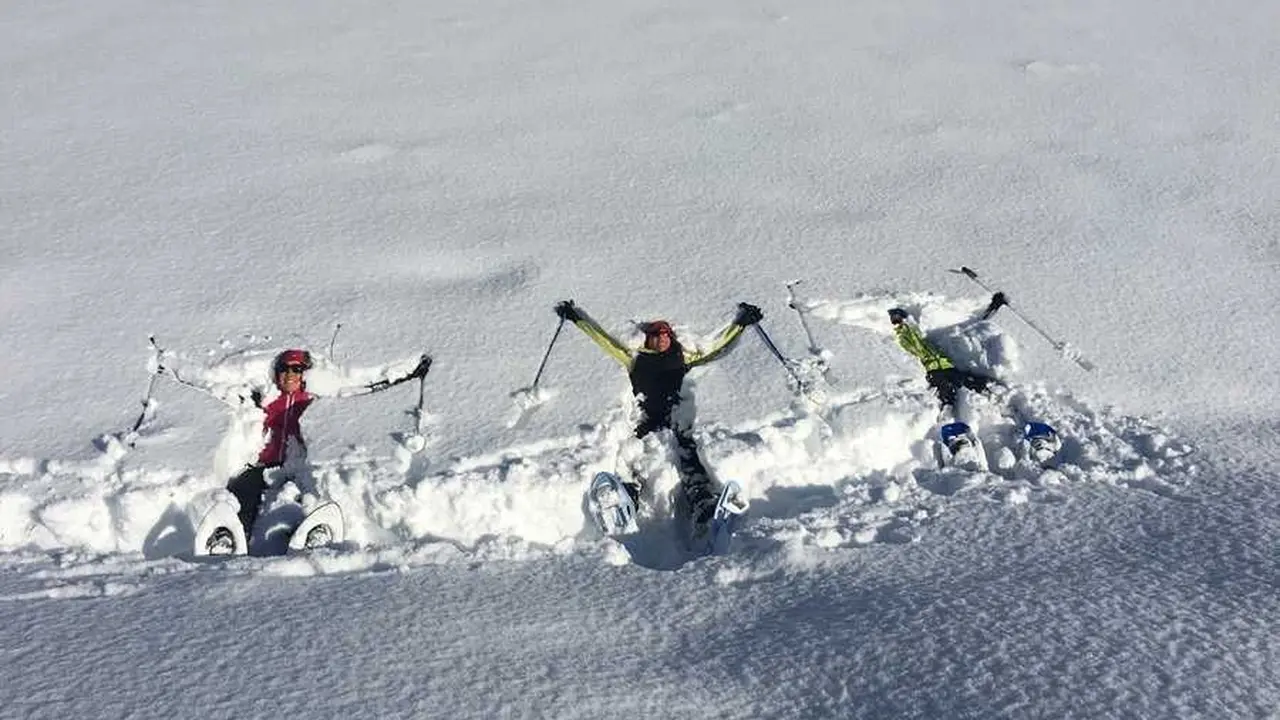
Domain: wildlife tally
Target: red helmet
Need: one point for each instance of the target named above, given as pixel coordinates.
(298, 358)
(658, 327)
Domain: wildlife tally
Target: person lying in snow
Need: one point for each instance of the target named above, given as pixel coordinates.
(657, 370)
(282, 442)
(939, 370)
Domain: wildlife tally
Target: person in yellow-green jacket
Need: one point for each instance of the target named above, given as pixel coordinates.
(939, 371)
(657, 370)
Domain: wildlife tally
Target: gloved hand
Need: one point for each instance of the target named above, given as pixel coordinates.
(897, 316)
(256, 396)
(568, 311)
(748, 314)
(997, 301)
(423, 366)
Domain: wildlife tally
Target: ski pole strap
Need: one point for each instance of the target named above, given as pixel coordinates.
(804, 323)
(334, 339)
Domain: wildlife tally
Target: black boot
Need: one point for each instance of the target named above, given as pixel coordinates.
(248, 487)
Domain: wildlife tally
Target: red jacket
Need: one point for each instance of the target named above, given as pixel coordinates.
(282, 422)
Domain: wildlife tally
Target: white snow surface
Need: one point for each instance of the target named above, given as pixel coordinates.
(375, 181)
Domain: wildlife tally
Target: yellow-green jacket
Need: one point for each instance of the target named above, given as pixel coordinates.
(656, 377)
(627, 356)
(911, 340)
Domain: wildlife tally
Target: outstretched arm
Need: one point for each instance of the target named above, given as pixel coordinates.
(911, 340)
(235, 396)
(419, 371)
(576, 315)
(725, 340)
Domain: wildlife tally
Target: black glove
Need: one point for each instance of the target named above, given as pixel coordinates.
(997, 301)
(256, 396)
(748, 315)
(423, 366)
(897, 316)
(568, 311)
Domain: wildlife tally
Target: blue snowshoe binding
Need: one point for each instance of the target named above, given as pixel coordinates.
(1042, 443)
(962, 447)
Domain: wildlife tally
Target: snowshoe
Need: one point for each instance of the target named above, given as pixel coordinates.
(323, 526)
(1042, 443)
(729, 509)
(612, 504)
(962, 447)
(219, 531)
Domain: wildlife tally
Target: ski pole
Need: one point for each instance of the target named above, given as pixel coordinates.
(1062, 347)
(147, 403)
(526, 399)
(415, 442)
(791, 303)
(764, 337)
(334, 339)
(805, 390)
(543, 365)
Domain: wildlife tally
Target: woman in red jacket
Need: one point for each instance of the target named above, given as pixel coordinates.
(283, 443)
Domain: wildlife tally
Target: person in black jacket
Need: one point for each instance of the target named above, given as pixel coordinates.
(657, 370)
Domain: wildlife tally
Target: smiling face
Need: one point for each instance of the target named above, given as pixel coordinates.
(290, 378)
(658, 340)
(658, 336)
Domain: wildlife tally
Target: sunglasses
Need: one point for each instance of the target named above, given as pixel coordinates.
(295, 369)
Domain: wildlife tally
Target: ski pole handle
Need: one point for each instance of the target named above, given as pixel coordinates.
(973, 275)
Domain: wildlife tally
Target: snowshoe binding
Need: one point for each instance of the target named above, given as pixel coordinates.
(963, 448)
(1042, 443)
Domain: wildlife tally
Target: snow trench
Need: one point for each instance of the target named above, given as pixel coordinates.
(857, 469)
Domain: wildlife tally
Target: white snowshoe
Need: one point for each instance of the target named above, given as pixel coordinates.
(611, 505)
(219, 532)
(323, 526)
(731, 506)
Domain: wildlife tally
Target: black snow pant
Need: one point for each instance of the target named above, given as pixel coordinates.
(947, 382)
(695, 480)
(248, 487)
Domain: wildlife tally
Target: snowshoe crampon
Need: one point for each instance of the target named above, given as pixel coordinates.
(323, 526)
(219, 531)
(221, 542)
(318, 536)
